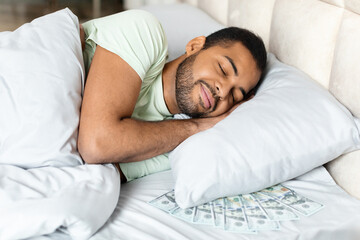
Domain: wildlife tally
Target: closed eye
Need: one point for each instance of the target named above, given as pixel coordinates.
(222, 70)
(224, 73)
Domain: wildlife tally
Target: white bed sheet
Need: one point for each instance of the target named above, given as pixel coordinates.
(134, 218)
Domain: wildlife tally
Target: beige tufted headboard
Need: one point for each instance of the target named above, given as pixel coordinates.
(320, 37)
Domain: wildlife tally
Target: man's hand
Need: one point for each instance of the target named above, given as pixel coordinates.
(206, 123)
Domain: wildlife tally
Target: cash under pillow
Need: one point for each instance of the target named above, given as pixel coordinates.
(291, 126)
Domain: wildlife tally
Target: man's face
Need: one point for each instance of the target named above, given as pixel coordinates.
(211, 81)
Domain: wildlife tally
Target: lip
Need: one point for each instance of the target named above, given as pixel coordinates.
(207, 98)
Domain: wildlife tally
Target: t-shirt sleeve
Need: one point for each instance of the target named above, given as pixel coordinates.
(134, 170)
(135, 35)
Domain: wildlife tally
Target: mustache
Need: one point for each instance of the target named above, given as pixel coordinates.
(212, 91)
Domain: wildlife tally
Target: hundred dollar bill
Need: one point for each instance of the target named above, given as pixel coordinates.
(165, 202)
(274, 209)
(256, 217)
(235, 219)
(218, 212)
(290, 198)
(186, 214)
(203, 214)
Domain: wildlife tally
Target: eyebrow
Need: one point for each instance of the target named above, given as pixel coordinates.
(232, 64)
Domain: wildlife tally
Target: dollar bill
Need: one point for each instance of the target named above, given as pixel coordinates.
(218, 212)
(295, 201)
(186, 214)
(235, 219)
(274, 209)
(165, 202)
(247, 213)
(256, 217)
(203, 214)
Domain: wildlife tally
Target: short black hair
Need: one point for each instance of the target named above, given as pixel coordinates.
(227, 36)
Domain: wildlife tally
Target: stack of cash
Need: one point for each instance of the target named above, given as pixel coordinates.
(246, 213)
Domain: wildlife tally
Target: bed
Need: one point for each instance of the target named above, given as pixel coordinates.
(57, 197)
(134, 218)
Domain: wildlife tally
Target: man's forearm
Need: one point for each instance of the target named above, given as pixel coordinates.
(144, 139)
(130, 140)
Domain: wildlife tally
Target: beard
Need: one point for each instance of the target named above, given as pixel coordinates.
(184, 87)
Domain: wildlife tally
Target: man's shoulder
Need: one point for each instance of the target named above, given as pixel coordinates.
(135, 35)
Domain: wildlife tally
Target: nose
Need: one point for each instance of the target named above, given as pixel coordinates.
(223, 87)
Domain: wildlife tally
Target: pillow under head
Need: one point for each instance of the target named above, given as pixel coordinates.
(291, 126)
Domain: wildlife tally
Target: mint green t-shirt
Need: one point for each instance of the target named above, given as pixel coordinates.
(138, 38)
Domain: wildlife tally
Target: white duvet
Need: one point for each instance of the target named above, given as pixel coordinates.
(75, 200)
(43, 185)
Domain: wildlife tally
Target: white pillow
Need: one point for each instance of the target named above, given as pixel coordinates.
(41, 80)
(291, 126)
(181, 23)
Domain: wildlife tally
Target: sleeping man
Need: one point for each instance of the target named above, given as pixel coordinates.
(131, 93)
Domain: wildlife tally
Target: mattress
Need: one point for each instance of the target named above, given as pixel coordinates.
(134, 218)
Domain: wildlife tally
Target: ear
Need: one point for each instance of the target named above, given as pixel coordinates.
(195, 45)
